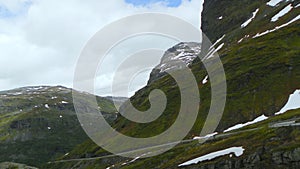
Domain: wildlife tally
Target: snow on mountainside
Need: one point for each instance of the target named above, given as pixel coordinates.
(274, 2)
(249, 20)
(256, 19)
(184, 52)
(292, 103)
(277, 27)
(281, 13)
(40, 123)
(238, 151)
(260, 74)
(34, 90)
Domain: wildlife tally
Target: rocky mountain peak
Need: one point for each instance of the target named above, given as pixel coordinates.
(184, 52)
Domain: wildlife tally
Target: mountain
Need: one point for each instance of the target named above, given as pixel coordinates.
(39, 124)
(260, 54)
(261, 71)
(271, 143)
(258, 44)
(184, 51)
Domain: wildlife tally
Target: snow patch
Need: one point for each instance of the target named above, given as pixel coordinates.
(276, 28)
(238, 126)
(246, 36)
(212, 52)
(297, 6)
(138, 157)
(219, 47)
(47, 106)
(220, 18)
(16, 94)
(281, 13)
(49, 128)
(240, 40)
(133, 160)
(238, 151)
(64, 102)
(60, 116)
(110, 167)
(205, 137)
(219, 40)
(205, 80)
(293, 103)
(250, 20)
(273, 2)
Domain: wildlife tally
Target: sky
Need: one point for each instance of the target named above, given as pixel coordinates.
(170, 3)
(41, 40)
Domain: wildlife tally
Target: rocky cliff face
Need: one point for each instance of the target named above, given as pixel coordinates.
(184, 52)
(221, 17)
(280, 160)
(265, 156)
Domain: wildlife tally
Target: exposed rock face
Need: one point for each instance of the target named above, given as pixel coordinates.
(264, 156)
(184, 52)
(280, 160)
(232, 12)
(287, 157)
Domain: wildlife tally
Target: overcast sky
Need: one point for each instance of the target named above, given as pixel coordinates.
(41, 40)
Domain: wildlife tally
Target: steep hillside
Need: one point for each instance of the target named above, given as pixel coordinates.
(272, 143)
(260, 56)
(258, 43)
(261, 72)
(39, 124)
(243, 19)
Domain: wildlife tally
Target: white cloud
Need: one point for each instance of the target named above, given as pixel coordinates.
(41, 44)
(14, 5)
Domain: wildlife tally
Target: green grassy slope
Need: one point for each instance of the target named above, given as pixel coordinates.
(40, 125)
(261, 73)
(261, 142)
